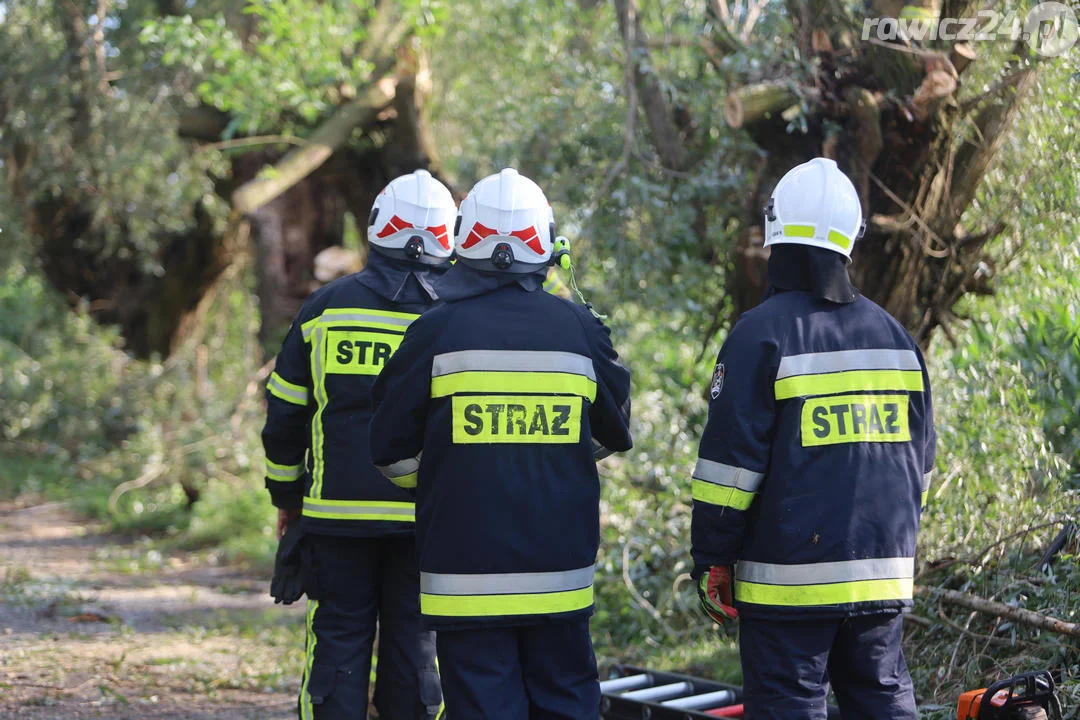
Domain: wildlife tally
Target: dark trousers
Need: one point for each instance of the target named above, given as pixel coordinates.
(545, 671)
(356, 583)
(788, 664)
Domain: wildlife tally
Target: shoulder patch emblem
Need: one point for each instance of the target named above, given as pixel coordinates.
(717, 381)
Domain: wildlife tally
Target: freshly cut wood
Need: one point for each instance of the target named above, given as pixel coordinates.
(997, 609)
(961, 56)
(299, 163)
(749, 104)
(936, 85)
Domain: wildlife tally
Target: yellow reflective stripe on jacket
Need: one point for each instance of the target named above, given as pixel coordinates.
(724, 485)
(828, 594)
(337, 317)
(848, 371)
(824, 583)
(282, 389)
(318, 352)
(926, 486)
(283, 473)
(554, 383)
(488, 594)
(491, 605)
(359, 510)
(731, 497)
(513, 372)
(851, 381)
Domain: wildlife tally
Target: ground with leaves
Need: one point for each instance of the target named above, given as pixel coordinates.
(100, 626)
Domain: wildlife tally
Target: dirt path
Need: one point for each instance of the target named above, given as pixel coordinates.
(95, 626)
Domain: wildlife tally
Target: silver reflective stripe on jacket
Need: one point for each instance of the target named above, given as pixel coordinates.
(825, 572)
(512, 361)
(727, 475)
(845, 360)
(400, 468)
(506, 583)
(926, 480)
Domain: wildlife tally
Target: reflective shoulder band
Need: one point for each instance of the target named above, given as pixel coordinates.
(848, 371)
(493, 594)
(283, 473)
(827, 583)
(282, 389)
(365, 317)
(715, 483)
(402, 473)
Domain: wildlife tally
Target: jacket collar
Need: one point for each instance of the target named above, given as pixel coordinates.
(400, 281)
(462, 282)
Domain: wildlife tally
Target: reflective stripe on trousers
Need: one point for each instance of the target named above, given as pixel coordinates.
(826, 583)
(493, 594)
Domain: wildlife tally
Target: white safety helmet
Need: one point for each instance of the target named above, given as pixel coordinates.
(815, 204)
(411, 219)
(506, 223)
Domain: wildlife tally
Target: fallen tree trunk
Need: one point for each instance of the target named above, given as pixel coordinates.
(997, 609)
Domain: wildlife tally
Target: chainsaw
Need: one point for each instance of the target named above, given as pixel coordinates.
(1025, 697)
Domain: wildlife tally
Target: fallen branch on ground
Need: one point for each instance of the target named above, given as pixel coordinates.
(992, 607)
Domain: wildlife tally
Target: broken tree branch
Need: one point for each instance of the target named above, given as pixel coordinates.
(998, 609)
(301, 162)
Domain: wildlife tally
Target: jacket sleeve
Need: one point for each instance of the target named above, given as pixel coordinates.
(400, 398)
(289, 409)
(733, 458)
(609, 415)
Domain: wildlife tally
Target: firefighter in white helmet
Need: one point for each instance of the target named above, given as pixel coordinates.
(510, 393)
(812, 471)
(358, 546)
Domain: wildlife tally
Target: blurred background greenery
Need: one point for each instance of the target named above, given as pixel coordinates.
(142, 293)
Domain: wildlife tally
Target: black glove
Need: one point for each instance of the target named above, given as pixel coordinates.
(287, 585)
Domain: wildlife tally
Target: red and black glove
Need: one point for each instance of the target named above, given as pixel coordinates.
(714, 592)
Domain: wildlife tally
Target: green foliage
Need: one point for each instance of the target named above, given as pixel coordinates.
(304, 58)
(135, 442)
(116, 156)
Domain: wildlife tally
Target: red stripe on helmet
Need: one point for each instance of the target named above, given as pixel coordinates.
(439, 231)
(394, 225)
(478, 233)
(530, 238)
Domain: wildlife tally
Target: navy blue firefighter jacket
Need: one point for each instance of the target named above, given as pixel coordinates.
(319, 400)
(815, 459)
(505, 390)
